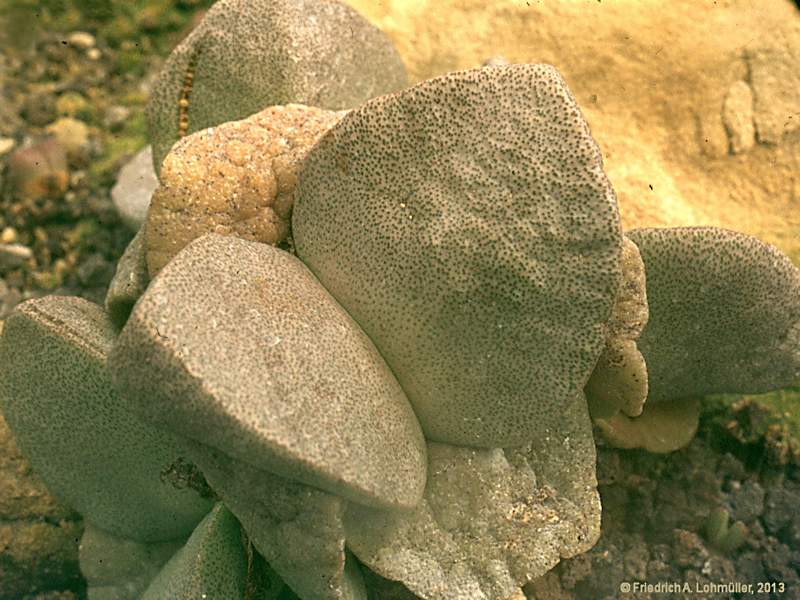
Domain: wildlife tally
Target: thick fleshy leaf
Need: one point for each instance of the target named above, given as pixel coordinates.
(211, 566)
(248, 54)
(78, 434)
(619, 380)
(130, 280)
(296, 528)
(467, 225)
(491, 520)
(661, 427)
(724, 313)
(117, 568)
(236, 345)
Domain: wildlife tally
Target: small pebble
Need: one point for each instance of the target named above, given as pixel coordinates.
(135, 184)
(495, 61)
(14, 255)
(39, 109)
(39, 170)
(71, 103)
(6, 145)
(72, 134)
(8, 235)
(93, 54)
(116, 116)
(81, 39)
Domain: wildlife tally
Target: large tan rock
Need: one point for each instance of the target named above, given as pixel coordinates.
(653, 85)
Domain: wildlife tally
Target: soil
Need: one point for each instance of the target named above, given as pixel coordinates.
(656, 508)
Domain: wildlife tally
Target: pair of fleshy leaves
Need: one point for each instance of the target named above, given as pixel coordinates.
(713, 233)
(729, 307)
(162, 357)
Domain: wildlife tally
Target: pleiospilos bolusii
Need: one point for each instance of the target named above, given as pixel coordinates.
(467, 277)
(467, 225)
(246, 55)
(95, 454)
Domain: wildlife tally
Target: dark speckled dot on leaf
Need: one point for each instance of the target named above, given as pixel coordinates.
(467, 225)
(249, 54)
(724, 313)
(100, 459)
(236, 345)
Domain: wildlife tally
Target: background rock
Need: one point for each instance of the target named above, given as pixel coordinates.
(135, 184)
(38, 536)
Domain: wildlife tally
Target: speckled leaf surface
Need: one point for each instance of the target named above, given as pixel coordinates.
(296, 528)
(130, 280)
(236, 345)
(491, 519)
(211, 566)
(619, 379)
(724, 313)
(467, 225)
(77, 433)
(249, 54)
(117, 568)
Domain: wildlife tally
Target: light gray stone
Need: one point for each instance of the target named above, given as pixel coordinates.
(135, 185)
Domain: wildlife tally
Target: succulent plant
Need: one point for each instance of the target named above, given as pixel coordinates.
(723, 535)
(405, 383)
